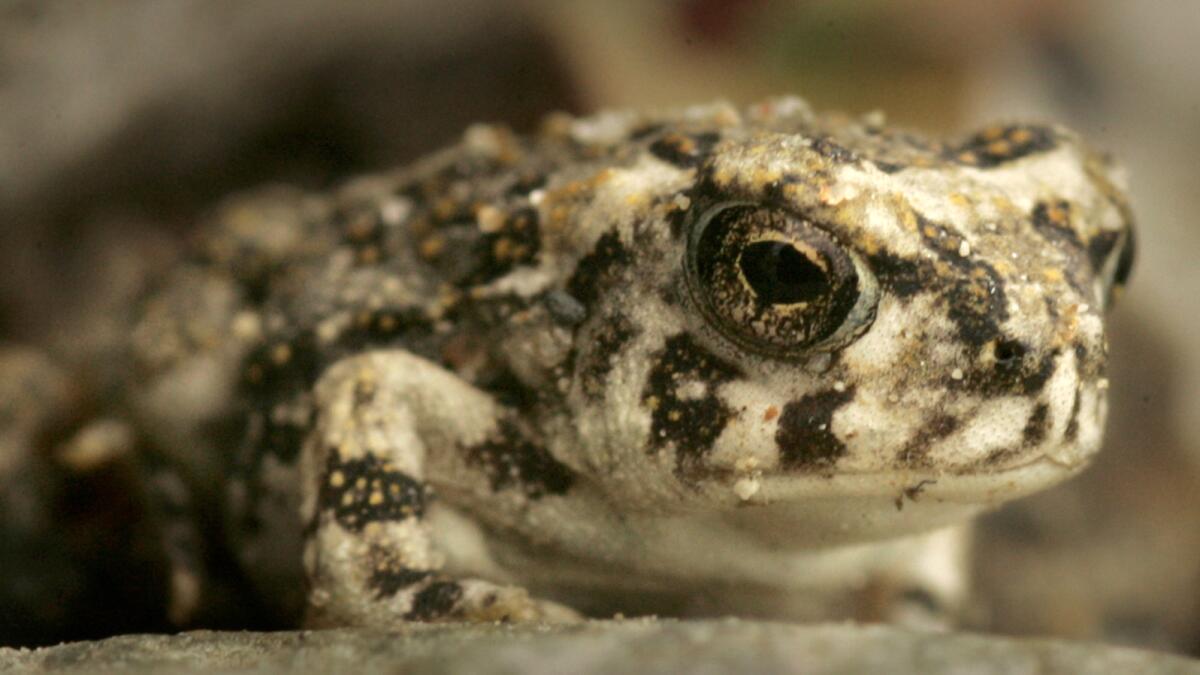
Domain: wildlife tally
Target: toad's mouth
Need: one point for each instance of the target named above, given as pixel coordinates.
(983, 486)
(815, 510)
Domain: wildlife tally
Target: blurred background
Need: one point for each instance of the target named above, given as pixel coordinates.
(122, 120)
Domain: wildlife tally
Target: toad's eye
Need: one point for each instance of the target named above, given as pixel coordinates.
(779, 273)
(776, 283)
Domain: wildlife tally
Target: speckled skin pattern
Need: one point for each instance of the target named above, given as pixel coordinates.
(711, 360)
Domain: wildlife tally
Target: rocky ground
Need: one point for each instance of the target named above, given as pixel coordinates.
(641, 646)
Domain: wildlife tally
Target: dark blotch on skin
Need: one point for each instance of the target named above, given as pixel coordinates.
(517, 242)
(805, 436)
(998, 145)
(610, 336)
(1016, 373)
(599, 268)
(435, 601)
(1053, 220)
(901, 277)
(935, 429)
(1072, 430)
(513, 461)
(269, 380)
(974, 293)
(362, 480)
(684, 150)
(999, 456)
(464, 169)
(1036, 427)
(691, 425)
(945, 241)
(509, 390)
(978, 304)
(388, 582)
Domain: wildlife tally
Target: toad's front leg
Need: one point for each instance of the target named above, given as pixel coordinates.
(370, 555)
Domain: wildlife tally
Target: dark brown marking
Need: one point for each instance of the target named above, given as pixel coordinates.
(1038, 424)
(998, 145)
(977, 303)
(511, 460)
(436, 601)
(901, 277)
(606, 342)
(367, 489)
(691, 425)
(509, 390)
(602, 267)
(285, 364)
(936, 428)
(805, 436)
(517, 242)
(388, 582)
(974, 293)
(1053, 220)
(279, 369)
(1072, 430)
(1016, 370)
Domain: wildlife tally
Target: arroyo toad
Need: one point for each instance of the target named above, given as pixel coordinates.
(757, 361)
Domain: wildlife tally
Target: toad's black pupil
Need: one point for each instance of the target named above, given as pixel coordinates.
(781, 275)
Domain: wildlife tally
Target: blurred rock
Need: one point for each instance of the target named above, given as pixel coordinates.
(127, 109)
(644, 646)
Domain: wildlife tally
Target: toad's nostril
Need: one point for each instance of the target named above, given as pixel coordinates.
(1009, 353)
